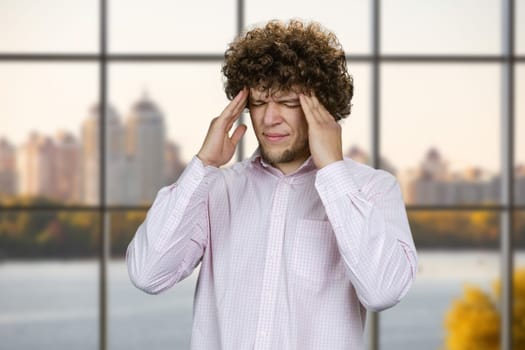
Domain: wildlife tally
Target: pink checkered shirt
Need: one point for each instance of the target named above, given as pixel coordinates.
(287, 261)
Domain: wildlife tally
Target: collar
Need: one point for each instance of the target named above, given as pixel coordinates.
(305, 169)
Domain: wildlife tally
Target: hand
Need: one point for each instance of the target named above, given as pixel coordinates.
(324, 132)
(218, 147)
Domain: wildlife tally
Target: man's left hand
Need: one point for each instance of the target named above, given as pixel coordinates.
(324, 132)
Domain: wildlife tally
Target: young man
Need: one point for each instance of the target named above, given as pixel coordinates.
(297, 242)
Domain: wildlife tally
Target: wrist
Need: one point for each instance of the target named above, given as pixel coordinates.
(330, 161)
(205, 161)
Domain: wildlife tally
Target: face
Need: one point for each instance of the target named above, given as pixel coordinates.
(281, 128)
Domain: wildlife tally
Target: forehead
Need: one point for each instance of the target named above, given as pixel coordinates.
(258, 93)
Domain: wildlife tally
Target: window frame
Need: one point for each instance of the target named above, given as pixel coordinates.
(507, 59)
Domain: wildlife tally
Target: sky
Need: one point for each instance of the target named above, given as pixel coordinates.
(453, 107)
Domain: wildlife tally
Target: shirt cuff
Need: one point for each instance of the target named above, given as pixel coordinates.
(335, 180)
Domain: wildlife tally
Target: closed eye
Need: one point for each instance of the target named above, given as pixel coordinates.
(256, 103)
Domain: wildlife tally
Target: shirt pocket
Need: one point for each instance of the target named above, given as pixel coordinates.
(315, 255)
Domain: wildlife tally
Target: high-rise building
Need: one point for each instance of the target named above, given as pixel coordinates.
(519, 179)
(433, 167)
(359, 155)
(67, 167)
(429, 184)
(433, 184)
(36, 167)
(115, 156)
(145, 142)
(173, 163)
(7, 168)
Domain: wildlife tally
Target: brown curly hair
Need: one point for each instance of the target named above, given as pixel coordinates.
(282, 56)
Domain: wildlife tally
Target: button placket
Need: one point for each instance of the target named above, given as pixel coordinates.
(272, 266)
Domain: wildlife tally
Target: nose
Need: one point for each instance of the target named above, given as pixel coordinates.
(272, 114)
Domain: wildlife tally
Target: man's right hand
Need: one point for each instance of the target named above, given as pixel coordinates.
(218, 147)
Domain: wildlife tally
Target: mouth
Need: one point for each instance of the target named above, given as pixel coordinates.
(274, 137)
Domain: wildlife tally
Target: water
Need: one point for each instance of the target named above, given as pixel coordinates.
(54, 305)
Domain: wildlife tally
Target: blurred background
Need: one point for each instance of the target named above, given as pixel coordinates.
(439, 102)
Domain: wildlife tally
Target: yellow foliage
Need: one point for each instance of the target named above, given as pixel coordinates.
(473, 322)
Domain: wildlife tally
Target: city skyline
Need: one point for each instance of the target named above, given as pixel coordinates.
(470, 136)
(422, 104)
(138, 142)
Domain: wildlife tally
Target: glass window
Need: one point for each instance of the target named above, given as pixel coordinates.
(137, 320)
(441, 27)
(165, 26)
(56, 26)
(349, 20)
(441, 128)
(45, 110)
(458, 261)
(519, 238)
(519, 135)
(49, 277)
(519, 24)
(358, 125)
(161, 115)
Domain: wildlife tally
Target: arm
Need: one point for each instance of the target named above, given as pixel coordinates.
(372, 232)
(370, 224)
(169, 244)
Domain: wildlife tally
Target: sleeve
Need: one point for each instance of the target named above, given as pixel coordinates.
(372, 232)
(171, 241)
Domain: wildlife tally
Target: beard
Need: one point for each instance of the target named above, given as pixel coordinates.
(295, 152)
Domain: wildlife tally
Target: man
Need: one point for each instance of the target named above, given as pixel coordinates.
(296, 242)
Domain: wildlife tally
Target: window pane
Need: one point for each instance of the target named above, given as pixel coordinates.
(440, 127)
(38, 26)
(357, 126)
(441, 27)
(43, 112)
(519, 23)
(49, 274)
(349, 20)
(171, 26)
(138, 320)
(519, 237)
(519, 135)
(456, 250)
(161, 116)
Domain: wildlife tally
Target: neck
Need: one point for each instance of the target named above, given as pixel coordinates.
(290, 167)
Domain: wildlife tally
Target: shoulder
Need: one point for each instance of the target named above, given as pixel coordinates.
(235, 172)
(372, 181)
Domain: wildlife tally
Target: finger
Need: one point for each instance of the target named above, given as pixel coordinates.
(319, 107)
(233, 119)
(238, 134)
(230, 120)
(306, 104)
(321, 112)
(234, 108)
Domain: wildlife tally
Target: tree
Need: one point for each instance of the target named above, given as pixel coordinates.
(473, 322)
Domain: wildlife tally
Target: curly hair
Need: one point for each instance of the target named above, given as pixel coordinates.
(288, 57)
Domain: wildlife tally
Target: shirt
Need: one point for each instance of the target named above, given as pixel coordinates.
(287, 261)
